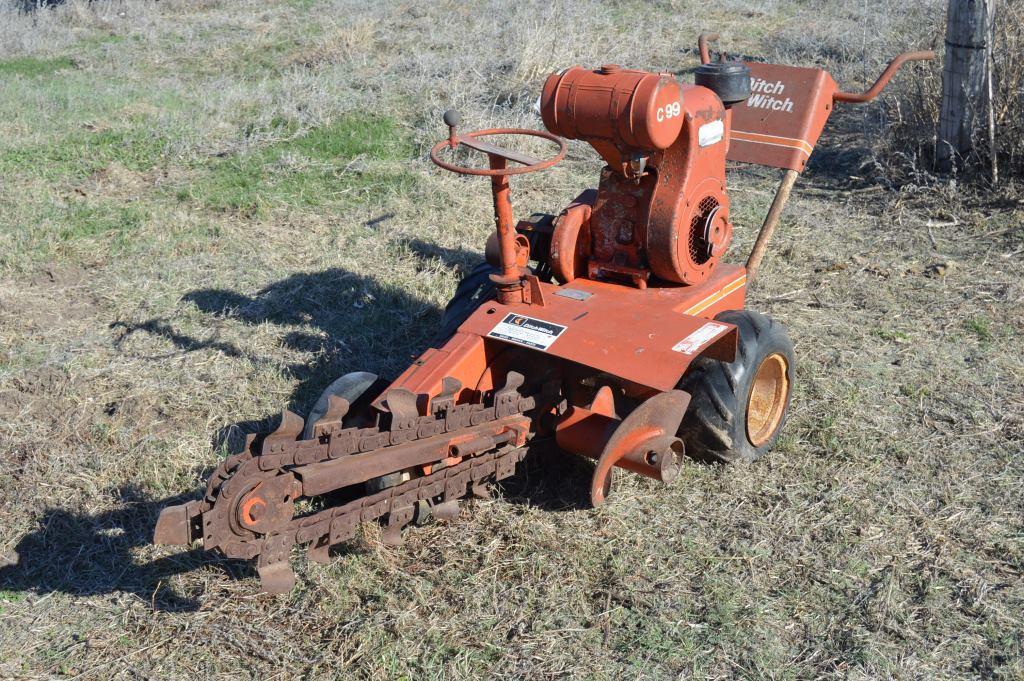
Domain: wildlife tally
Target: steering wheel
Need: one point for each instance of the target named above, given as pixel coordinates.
(496, 154)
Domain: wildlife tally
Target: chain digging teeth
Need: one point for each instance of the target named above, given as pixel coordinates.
(241, 525)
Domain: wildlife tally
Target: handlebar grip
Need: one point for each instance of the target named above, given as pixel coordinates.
(451, 119)
(883, 80)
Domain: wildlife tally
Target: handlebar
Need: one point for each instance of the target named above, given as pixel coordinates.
(840, 96)
(883, 80)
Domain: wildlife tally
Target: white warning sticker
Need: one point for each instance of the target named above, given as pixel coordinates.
(523, 330)
(711, 133)
(699, 338)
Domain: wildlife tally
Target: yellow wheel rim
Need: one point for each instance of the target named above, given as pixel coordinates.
(769, 394)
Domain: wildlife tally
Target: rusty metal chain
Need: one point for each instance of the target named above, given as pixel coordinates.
(335, 525)
(280, 454)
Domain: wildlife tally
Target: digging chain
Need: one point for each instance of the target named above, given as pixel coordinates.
(280, 453)
(335, 525)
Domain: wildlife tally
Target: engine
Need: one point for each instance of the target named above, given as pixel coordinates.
(661, 209)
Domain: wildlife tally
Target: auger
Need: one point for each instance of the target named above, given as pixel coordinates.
(611, 331)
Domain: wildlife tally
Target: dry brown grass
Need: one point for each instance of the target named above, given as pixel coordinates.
(147, 304)
(907, 147)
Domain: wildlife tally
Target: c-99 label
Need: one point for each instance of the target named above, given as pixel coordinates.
(668, 111)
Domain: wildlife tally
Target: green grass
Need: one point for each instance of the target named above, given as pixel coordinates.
(890, 335)
(82, 221)
(33, 67)
(354, 159)
(79, 153)
(78, 229)
(10, 597)
(980, 327)
(184, 249)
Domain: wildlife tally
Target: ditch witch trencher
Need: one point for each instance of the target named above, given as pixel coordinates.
(626, 341)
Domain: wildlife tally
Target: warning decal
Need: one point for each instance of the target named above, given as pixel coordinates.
(522, 330)
(699, 338)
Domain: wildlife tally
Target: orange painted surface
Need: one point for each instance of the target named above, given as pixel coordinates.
(782, 120)
(465, 358)
(626, 331)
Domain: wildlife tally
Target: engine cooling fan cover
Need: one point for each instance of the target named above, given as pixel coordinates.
(704, 232)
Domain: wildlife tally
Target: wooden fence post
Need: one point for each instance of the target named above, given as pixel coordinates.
(965, 79)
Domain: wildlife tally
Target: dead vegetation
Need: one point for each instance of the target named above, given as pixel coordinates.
(912, 116)
(210, 210)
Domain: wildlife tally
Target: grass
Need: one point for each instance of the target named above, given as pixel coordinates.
(80, 153)
(84, 222)
(345, 162)
(980, 327)
(33, 67)
(209, 210)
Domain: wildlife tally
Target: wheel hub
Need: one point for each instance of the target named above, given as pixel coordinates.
(769, 393)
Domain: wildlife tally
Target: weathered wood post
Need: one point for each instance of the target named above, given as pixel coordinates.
(965, 84)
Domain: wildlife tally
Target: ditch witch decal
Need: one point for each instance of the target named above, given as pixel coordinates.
(763, 96)
(780, 123)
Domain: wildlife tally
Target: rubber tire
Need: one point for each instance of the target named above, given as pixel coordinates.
(475, 289)
(714, 427)
(351, 386)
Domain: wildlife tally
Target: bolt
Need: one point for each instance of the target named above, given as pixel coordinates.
(256, 511)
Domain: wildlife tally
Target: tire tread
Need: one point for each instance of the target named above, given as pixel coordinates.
(715, 423)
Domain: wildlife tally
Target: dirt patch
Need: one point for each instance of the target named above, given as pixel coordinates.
(43, 310)
(46, 381)
(117, 181)
(54, 295)
(60, 275)
(28, 389)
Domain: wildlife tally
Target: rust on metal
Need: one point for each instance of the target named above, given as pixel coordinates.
(531, 165)
(771, 221)
(883, 80)
(224, 520)
(509, 280)
(320, 478)
(661, 209)
(571, 238)
(646, 439)
(703, 48)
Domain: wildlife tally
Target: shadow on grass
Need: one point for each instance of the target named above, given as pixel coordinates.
(549, 479)
(355, 320)
(28, 6)
(345, 320)
(87, 555)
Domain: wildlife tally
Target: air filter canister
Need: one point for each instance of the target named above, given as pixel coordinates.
(634, 110)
